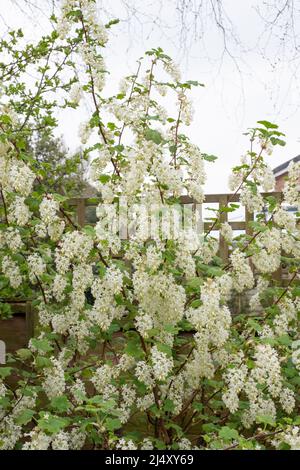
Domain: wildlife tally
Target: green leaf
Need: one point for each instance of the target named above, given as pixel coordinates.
(169, 405)
(52, 424)
(155, 136)
(254, 324)
(296, 291)
(112, 423)
(60, 404)
(89, 230)
(165, 349)
(209, 158)
(41, 362)
(285, 340)
(265, 419)
(25, 417)
(24, 354)
(171, 329)
(5, 372)
(268, 125)
(59, 197)
(111, 23)
(228, 433)
(196, 303)
(134, 349)
(194, 283)
(104, 179)
(276, 141)
(41, 345)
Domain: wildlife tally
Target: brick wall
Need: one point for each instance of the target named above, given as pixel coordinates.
(280, 180)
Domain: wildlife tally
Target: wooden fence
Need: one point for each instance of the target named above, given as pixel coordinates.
(85, 213)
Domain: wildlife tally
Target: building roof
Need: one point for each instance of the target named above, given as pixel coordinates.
(281, 169)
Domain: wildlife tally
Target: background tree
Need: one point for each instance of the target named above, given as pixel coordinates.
(63, 172)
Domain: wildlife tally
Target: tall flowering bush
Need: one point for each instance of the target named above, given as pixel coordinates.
(139, 344)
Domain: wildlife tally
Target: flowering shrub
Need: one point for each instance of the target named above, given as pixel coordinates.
(138, 343)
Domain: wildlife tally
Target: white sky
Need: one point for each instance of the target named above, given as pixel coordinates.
(231, 101)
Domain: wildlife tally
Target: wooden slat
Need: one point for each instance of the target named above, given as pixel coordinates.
(30, 321)
(249, 217)
(81, 212)
(240, 226)
(223, 245)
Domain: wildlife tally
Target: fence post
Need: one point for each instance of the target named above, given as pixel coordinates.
(30, 320)
(223, 246)
(81, 212)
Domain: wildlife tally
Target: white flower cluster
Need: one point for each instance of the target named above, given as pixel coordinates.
(186, 109)
(2, 389)
(252, 173)
(144, 373)
(127, 399)
(89, 13)
(235, 380)
(50, 222)
(143, 323)
(176, 390)
(12, 238)
(74, 247)
(99, 164)
(173, 70)
(267, 370)
(19, 212)
(242, 276)
(103, 376)
(296, 354)
(184, 258)
(284, 219)
(159, 297)
(16, 176)
(36, 267)
(12, 271)
(254, 202)
(146, 444)
(76, 93)
(266, 375)
(226, 231)
(58, 287)
(78, 391)
(261, 406)
(287, 400)
(212, 322)
(82, 279)
(196, 172)
(268, 179)
(54, 384)
(225, 285)
(105, 308)
(161, 364)
(73, 440)
(39, 440)
(255, 300)
(291, 437)
(288, 314)
(211, 319)
(267, 258)
(10, 433)
(208, 249)
(124, 444)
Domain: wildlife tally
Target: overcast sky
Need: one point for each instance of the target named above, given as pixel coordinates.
(239, 90)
